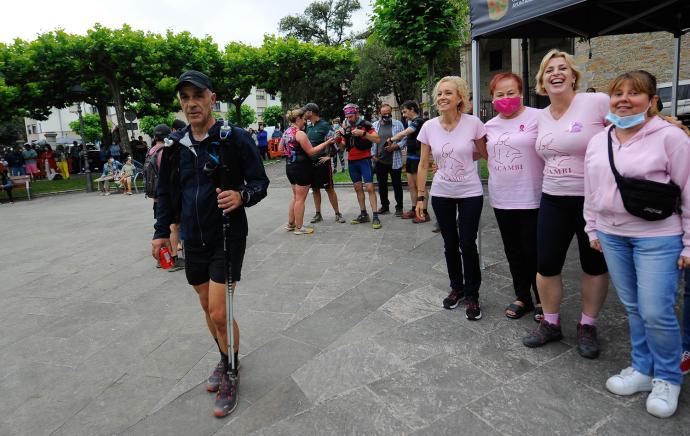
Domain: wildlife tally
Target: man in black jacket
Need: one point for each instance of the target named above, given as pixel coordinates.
(188, 193)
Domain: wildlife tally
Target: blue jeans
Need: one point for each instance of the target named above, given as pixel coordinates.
(645, 273)
(458, 219)
(686, 312)
(17, 171)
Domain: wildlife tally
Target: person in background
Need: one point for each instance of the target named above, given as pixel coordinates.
(277, 133)
(47, 161)
(455, 139)
(387, 158)
(262, 142)
(115, 148)
(110, 171)
(644, 257)
(30, 157)
(15, 161)
(61, 158)
(339, 153)
(515, 180)
(126, 175)
(564, 130)
(6, 183)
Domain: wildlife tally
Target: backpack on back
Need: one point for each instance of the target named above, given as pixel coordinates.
(151, 173)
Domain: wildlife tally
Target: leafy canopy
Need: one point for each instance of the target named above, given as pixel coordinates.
(323, 22)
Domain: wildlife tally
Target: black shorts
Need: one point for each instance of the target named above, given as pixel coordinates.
(323, 176)
(560, 217)
(300, 173)
(204, 263)
(411, 166)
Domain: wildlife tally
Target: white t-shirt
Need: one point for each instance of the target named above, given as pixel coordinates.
(515, 168)
(562, 143)
(457, 175)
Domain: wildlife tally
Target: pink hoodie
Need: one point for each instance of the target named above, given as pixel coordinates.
(660, 151)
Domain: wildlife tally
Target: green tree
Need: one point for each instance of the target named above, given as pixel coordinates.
(424, 28)
(12, 130)
(248, 116)
(92, 127)
(323, 22)
(148, 122)
(273, 115)
(241, 67)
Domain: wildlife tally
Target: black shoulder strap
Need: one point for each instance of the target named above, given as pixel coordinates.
(616, 174)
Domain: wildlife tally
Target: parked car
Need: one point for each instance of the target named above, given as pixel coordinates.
(664, 91)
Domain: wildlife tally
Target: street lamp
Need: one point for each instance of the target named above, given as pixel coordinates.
(79, 91)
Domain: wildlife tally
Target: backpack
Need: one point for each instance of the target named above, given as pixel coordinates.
(151, 173)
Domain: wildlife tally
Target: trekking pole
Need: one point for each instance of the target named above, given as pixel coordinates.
(228, 296)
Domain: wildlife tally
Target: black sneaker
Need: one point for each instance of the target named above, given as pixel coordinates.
(544, 334)
(226, 398)
(384, 211)
(213, 381)
(472, 310)
(178, 265)
(398, 212)
(362, 218)
(436, 228)
(587, 343)
(317, 218)
(453, 299)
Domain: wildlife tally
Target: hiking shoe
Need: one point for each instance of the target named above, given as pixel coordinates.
(587, 343)
(472, 310)
(436, 228)
(317, 218)
(213, 382)
(685, 363)
(383, 211)
(290, 227)
(544, 334)
(663, 400)
(362, 218)
(178, 265)
(453, 299)
(339, 218)
(629, 381)
(376, 224)
(304, 231)
(226, 398)
(398, 212)
(158, 264)
(426, 219)
(409, 214)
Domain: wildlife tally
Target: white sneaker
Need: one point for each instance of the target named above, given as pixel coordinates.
(663, 400)
(628, 382)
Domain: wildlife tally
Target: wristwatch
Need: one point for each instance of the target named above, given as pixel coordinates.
(246, 196)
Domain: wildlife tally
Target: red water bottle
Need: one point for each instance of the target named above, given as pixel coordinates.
(165, 258)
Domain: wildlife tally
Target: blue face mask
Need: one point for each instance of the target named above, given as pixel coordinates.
(626, 122)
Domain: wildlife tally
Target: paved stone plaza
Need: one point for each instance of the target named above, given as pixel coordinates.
(342, 333)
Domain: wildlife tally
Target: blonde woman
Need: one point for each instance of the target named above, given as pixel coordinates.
(564, 130)
(455, 139)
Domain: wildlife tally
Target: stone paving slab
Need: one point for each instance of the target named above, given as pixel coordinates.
(342, 333)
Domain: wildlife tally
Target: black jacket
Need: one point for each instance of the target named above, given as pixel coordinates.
(185, 194)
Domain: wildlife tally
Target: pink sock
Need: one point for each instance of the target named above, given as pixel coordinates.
(587, 320)
(553, 318)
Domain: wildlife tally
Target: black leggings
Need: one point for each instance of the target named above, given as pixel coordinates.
(458, 219)
(518, 229)
(560, 217)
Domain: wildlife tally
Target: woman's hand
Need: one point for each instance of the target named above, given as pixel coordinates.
(419, 209)
(596, 245)
(683, 262)
(324, 159)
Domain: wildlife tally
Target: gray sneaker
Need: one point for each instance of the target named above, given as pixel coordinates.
(178, 265)
(226, 398)
(317, 218)
(339, 218)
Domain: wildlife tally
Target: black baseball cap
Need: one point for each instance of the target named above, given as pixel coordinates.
(196, 78)
(312, 107)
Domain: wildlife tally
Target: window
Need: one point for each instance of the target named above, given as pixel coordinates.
(495, 60)
(260, 94)
(272, 96)
(216, 106)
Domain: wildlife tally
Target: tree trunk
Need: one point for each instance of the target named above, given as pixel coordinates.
(238, 111)
(120, 112)
(430, 85)
(102, 108)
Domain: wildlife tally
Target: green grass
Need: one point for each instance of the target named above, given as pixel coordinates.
(75, 182)
(345, 177)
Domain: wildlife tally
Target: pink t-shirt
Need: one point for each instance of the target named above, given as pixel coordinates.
(515, 168)
(457, 175)
(562, 143)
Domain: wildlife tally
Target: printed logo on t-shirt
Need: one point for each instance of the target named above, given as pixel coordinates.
(450, 169)
(506, 157)
(574, 127)
(556, 161)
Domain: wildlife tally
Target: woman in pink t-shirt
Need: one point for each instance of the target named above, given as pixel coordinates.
(564, 130)
(644, 257)
(455, 139)
(515, 178)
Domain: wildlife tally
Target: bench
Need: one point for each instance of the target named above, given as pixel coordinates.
(22, 182)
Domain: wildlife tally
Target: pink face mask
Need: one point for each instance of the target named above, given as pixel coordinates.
(507, 105)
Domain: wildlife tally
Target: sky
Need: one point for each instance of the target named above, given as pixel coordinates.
(225, 20)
